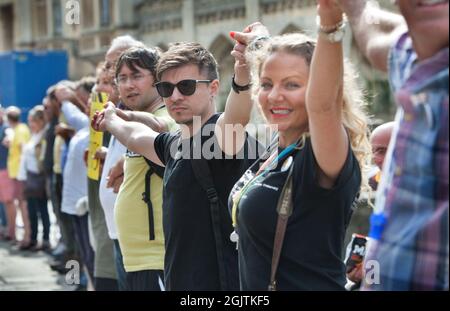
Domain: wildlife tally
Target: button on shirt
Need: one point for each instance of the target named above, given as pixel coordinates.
(413, 195)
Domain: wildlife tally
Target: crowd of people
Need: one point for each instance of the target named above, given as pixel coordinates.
(186, 199)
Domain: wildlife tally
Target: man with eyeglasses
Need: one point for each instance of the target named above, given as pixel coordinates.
(138, 207)
(199, 252)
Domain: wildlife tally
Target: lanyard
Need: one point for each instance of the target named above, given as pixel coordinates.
(262, 172)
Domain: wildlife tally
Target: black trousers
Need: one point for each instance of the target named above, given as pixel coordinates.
(147, 280)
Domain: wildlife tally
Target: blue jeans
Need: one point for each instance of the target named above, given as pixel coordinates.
(38, 206)
(3, 221)
(121, 273)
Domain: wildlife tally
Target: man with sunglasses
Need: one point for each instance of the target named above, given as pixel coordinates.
(199, 252)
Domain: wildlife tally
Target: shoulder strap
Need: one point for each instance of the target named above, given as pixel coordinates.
(159, 171)
(203, 175)
(146, 198)
(284, 209)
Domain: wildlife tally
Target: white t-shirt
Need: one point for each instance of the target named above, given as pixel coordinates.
(75, 172)
(29, 160)
(107, 196)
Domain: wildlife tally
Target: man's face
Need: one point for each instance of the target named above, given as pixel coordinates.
(380, 142)
(426, 17)
(136, 88)
(106, 85)
(111, 60)
(183, 108)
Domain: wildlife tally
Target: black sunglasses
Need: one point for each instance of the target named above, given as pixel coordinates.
(185, 87)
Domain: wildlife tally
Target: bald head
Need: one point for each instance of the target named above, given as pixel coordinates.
(379, 140)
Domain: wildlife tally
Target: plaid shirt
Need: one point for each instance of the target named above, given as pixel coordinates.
(411, 229)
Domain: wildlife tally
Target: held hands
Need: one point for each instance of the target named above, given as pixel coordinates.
(330, 12)
(243, 40)
(63, 93)
(101, 118)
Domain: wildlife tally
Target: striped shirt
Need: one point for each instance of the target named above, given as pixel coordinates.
(411, 237)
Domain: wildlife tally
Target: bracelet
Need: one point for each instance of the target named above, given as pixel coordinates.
(330, 29)
(238, 88)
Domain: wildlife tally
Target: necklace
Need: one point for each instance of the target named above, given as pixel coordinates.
(264, 170)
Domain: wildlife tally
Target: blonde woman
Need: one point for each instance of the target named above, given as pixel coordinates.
(323, 144)
(32, 175)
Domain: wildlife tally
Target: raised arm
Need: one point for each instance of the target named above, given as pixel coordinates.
(239, 105)
(324, 99)
(137, 137)
(75, 117)
(374, 29)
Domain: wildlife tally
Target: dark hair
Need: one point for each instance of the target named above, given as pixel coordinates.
(139, 57)
(87, 84)
(185, 53)
(13, 114)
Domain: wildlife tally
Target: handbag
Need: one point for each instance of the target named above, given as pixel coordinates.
(35, 185)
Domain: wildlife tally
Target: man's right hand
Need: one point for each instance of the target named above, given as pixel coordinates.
(115, 176)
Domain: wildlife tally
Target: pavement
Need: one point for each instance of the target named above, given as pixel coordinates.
(27, 271)
(30, 271)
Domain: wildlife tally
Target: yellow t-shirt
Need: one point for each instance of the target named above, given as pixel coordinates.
(132, 217)
(21, 137)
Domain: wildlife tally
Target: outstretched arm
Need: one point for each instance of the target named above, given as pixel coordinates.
(375, 30)
(157, 124)
(137, 137)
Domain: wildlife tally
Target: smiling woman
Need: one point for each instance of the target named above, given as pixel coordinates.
(290, 211)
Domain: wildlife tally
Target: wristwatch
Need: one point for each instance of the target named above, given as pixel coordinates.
(333, 34)
(237, 88)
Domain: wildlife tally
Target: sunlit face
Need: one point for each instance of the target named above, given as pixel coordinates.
(106, 85)
(183, 108)
(282, 92)
(35, 125)
(426, 17)
(380, 142)
(136, 88)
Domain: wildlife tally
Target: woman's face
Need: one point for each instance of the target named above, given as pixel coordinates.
(282, 90)
(36, 125)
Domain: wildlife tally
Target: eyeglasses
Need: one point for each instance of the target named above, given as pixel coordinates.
(185, 87)
(135, 77)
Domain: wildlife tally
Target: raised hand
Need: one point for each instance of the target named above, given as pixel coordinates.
(330, 12)
(243, 39)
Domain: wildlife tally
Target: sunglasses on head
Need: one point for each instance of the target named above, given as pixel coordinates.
(185, 87)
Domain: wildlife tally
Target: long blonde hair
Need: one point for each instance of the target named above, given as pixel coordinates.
(354, 117)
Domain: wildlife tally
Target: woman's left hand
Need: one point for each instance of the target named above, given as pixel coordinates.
(243, 39)
(330, 12)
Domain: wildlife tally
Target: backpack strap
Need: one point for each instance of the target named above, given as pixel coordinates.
(203, 175)
(159, 171)
(148, 201)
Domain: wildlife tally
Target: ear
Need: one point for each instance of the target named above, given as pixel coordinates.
(214, 88)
